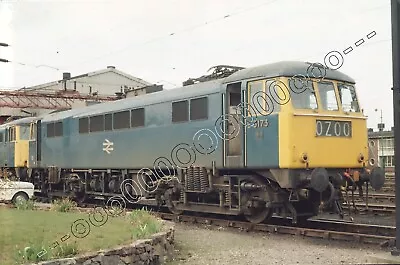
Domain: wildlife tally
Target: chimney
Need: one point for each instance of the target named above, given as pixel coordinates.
(110, 67)
(370, 130)
(66, 76)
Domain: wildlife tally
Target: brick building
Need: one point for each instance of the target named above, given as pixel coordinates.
(381, 148)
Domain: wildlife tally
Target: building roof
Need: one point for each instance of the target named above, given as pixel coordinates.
(99, 72)
(384, 134)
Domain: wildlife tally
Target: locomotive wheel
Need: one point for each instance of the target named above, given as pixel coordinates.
(260, 213)
(170, 196)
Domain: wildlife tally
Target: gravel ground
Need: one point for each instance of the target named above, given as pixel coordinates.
(201, 245)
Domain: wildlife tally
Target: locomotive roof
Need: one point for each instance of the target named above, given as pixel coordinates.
(26, 120)
(284, 68)
(65, 114)
(194, 90)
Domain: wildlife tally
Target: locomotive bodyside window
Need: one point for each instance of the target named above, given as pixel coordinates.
(108, 122)
(58, 129)
(1, 137)
(137, 117)
(278, 93)
(50, 130)
(14, 134)
(96, 123)
(180, 111)
(122, 120)
(256, 98)
(83, 125)
(199, 109)
(32, 133)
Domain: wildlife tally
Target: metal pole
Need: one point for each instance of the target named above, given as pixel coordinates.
(395, 6)
(382, 153)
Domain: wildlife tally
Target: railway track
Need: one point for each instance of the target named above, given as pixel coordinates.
(325, 229)
(316, 227)
(373, 208)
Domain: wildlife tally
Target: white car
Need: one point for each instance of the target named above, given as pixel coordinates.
(15, 191)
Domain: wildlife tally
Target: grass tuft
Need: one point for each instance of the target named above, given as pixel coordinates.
(25, 205)
(42, 252)
(64, 205)
(143, 224)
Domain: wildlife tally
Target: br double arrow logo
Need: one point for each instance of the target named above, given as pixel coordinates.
(108, 146)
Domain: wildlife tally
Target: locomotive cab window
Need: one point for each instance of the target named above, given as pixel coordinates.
(199, 109)
(12, 134)
(1, 137)
(348, 98)
(24, 132)
(328, 96)
(180, 111)
(302, 94)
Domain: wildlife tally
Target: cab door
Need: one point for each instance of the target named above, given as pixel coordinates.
(34, 145)
(12, 135)
(3, 151)
(262, 121)
(233, 133)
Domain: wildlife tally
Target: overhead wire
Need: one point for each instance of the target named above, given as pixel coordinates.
(129, 46)
(174, 34)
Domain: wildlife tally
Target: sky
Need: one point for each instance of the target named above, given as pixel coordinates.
(169, 41)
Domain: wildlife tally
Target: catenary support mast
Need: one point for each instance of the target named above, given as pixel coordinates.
(395, 6)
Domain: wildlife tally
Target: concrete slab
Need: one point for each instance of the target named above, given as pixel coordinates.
(386, 258)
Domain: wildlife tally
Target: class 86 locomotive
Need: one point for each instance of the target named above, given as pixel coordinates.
(280, 138)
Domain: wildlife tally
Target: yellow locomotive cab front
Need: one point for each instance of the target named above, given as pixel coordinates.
(322, 126)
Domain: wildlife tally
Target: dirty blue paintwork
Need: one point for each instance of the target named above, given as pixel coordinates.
(3, 148)
(263, 144)
(140, 147)
(134, 147)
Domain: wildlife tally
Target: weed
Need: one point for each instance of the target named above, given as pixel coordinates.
(33, 252)
(64, 205)
(25, 205)
(144, 224)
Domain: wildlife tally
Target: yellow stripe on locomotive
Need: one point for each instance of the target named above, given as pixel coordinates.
(324, 128)
(320, 126)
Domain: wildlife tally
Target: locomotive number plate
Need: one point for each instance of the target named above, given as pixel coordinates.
(333, 128)
(258, 124)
